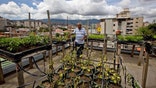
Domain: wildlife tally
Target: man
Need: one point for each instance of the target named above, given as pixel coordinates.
(79, 38)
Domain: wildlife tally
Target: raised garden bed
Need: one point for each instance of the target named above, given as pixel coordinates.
(16, 48)
(96, 37)
(129, 39)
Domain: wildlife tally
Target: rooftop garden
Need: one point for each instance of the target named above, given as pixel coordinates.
(17, 44)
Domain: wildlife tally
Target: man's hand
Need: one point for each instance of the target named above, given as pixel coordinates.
(84, 38)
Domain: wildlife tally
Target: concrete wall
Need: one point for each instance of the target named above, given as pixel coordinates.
(123, 27)
(109, 26)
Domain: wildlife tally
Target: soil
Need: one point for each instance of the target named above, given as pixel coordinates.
(114, 86)
(90, 66)
(98, 81)
(61, 71)
(78, 64)
(76, 70)
(72, 74)
(55, 77)
(60, 86)
(47, 85)
(83, 85)
(85, 78)
(88, 72)
(67, 81)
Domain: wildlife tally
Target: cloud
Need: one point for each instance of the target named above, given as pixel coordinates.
(13, 11)
(124, 3)
(146, 0)
(76, 9)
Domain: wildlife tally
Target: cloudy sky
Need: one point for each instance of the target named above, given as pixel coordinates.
(76, 9)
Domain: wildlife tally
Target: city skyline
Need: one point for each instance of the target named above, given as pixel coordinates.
(76, 9)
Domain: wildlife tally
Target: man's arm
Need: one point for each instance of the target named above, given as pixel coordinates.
(85, 35)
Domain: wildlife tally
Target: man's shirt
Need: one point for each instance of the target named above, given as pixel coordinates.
(80, 34)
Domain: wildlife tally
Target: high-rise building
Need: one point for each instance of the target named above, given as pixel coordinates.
(123, 21)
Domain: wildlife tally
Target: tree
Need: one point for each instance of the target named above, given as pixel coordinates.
(147, 33)
(152, 27)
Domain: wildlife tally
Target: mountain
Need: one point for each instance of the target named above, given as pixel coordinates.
(64, 21)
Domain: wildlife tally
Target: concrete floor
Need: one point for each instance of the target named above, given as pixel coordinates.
(129, 62)
(136, 71)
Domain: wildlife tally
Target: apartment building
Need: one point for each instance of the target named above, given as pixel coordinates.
(4, 24)
(123, 21)
(32, 24)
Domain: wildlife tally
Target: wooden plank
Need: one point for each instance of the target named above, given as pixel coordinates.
(132, 52)
(105, 45)
(56, 49)
(19, 73)
(119, 49)
(87, 39)
(44, 60)
(141, 55)
(63, 49)
(51, 68)
(2, 81)
(117, 56)
(91, 46)
(30, 62)
(145, 71)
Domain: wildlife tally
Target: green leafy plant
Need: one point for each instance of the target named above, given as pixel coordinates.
(146, 32)
(16, 44)
(96, 36)
(154, 36)
(59, 37)
(132, 38)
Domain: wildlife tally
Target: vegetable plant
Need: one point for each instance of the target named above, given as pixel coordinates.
(61, 37)
(131, 38)
(96, 36)
(17, 44)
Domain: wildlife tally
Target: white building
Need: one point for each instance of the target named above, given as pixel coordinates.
(123, 22)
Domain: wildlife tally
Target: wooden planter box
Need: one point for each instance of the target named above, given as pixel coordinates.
(129, 42)
(15, 57)
(96, 40)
